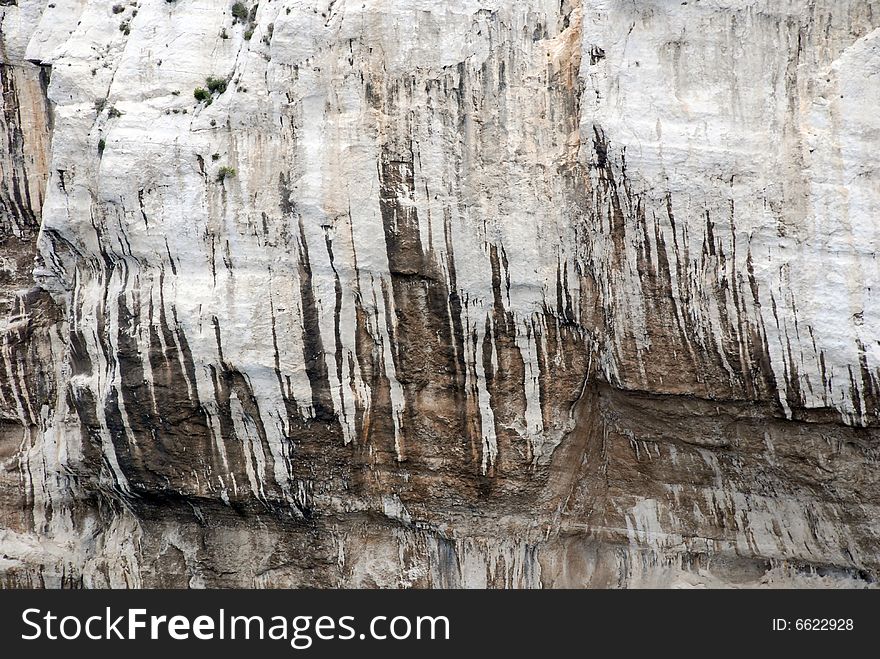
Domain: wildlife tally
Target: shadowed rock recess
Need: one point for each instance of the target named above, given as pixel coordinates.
(440, 293)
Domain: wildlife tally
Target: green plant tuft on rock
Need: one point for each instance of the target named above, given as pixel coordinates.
(224, 173)
(215, 85)
(239, 11)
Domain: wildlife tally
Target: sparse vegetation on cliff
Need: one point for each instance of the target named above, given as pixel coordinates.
(239, 11)
(225, 172)
(215, 85)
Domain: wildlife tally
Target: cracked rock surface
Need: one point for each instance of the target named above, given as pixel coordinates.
(440, 293)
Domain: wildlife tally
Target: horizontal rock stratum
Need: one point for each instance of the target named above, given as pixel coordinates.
(440, 293)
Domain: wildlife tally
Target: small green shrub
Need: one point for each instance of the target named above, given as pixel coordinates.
(224, 173)
(215, 85)
(239, 11)
(113, 113)
(118, 9)
(202, 94)
(248, 34)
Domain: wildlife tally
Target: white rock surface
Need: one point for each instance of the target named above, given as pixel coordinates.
(499, 293)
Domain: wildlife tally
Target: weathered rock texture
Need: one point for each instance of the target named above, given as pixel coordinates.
(529, 293)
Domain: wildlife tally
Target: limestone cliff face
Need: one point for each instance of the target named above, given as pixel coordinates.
(440, 293)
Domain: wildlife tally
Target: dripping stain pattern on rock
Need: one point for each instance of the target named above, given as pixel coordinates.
(474, 293)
